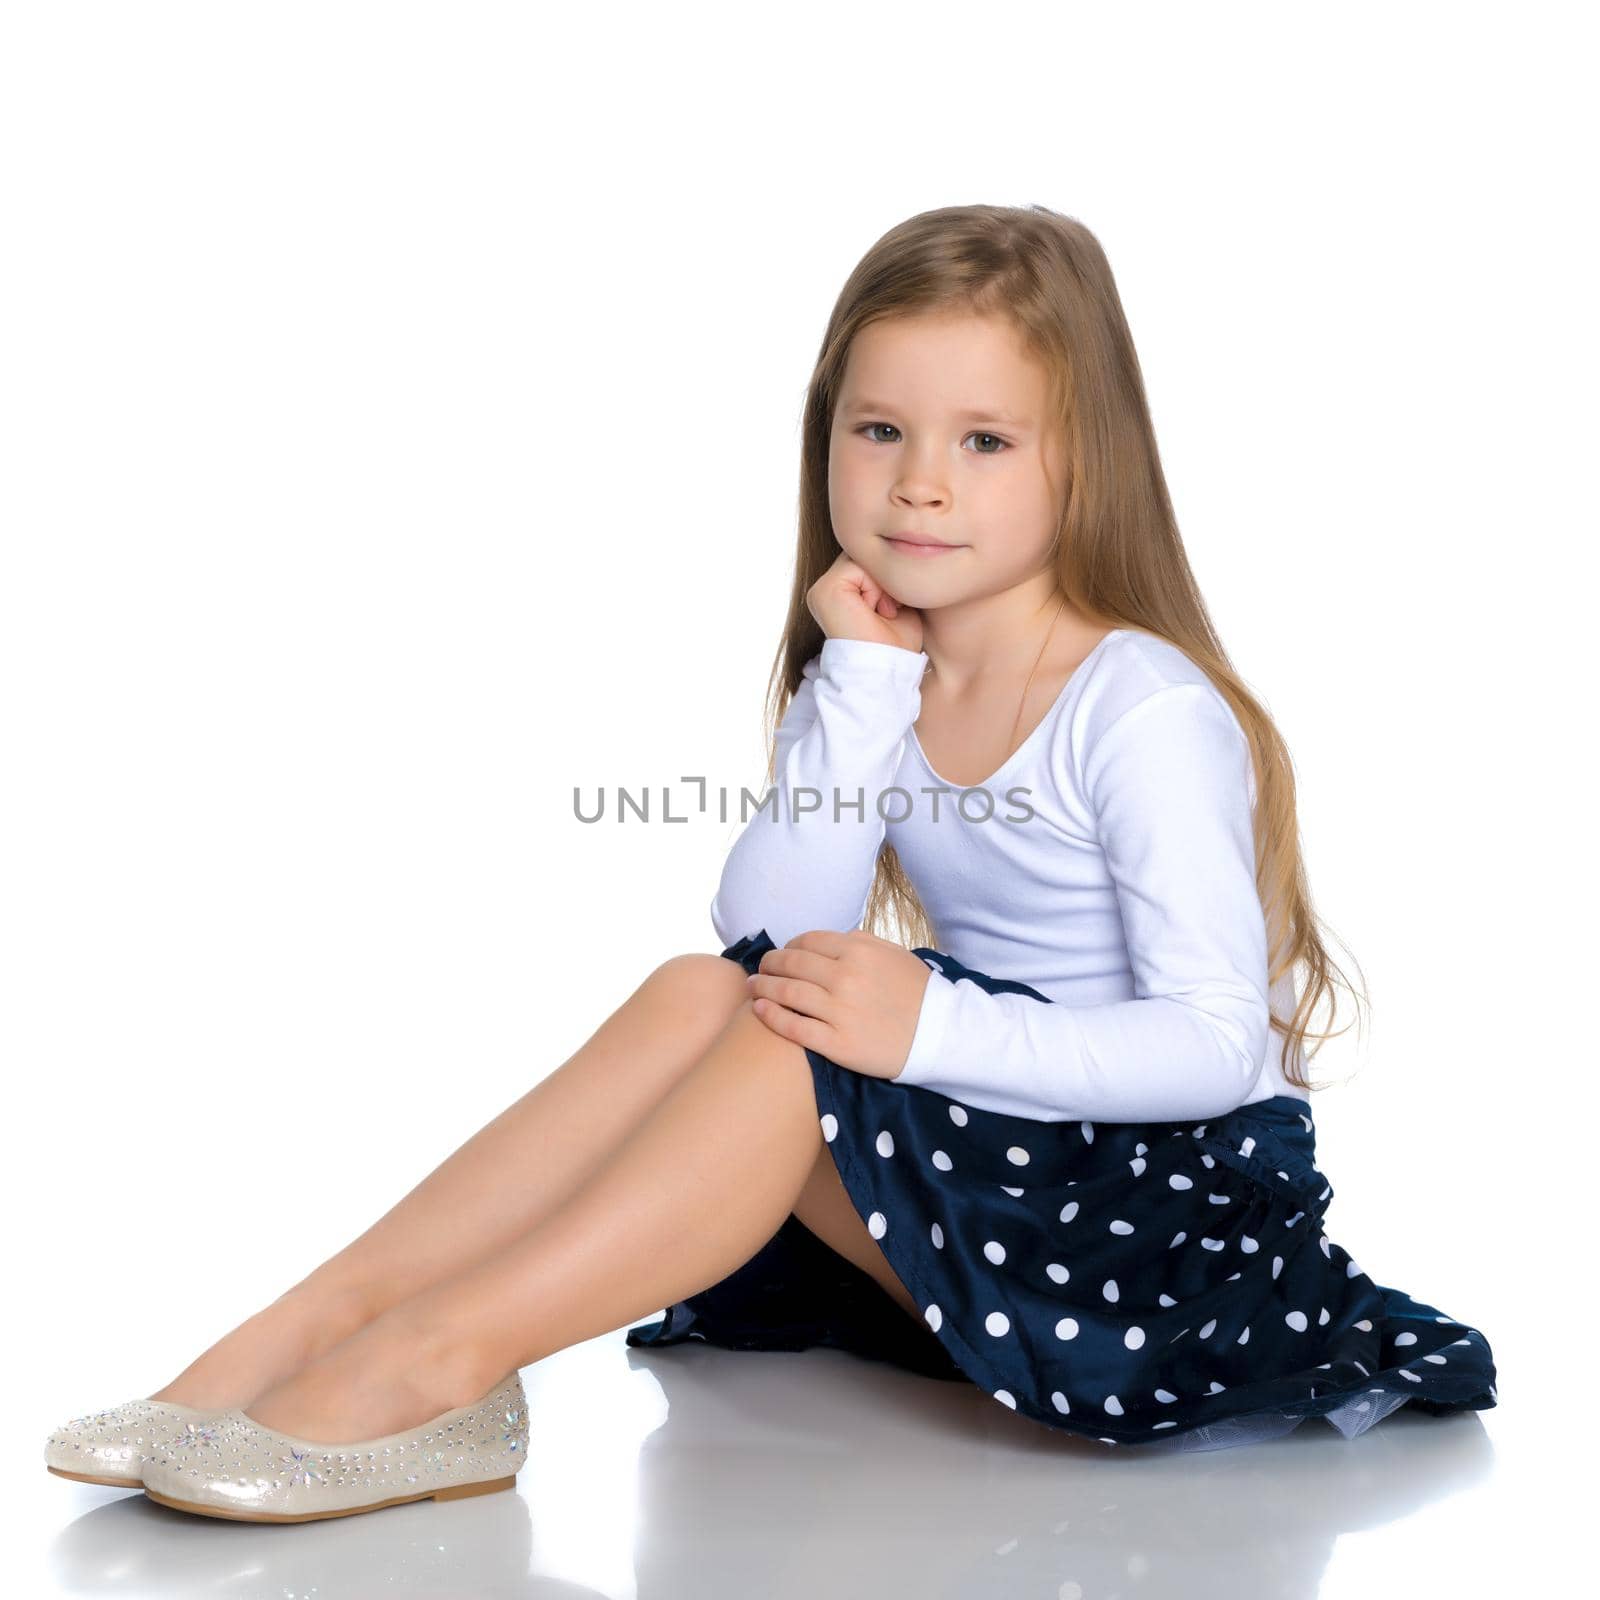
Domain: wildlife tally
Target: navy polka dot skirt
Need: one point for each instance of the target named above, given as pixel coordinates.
(1165, 1285)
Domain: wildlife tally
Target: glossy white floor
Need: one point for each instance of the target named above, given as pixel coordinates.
(693, 1472)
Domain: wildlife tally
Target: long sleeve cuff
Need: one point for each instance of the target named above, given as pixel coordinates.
(807, 859)
(869, 657)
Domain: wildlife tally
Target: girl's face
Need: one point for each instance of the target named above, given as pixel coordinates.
(941, 432)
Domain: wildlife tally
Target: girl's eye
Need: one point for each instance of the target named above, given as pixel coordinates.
(867, 428)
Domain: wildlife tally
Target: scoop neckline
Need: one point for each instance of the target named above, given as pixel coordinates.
(1038, 730)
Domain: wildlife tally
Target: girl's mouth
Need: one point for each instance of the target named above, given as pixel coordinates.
(905, 547)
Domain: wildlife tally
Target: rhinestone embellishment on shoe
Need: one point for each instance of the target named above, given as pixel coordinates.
(113, 1446)
(250, 1473)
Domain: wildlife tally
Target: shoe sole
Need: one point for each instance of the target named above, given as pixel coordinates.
(459, 1491)
(89, 1477)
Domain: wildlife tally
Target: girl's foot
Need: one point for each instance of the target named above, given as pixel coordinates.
(267, 1347)
(390, 1376)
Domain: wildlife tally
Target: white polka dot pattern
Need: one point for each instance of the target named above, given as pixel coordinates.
(1068, 1295)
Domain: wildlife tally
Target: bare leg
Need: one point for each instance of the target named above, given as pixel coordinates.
(826, 1209)
(499, 1184)
(693, 1193)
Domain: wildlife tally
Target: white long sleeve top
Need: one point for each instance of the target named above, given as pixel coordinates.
(1109, 863)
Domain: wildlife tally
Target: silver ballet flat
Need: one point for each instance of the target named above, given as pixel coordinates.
(249, 1473)
(112, 1447)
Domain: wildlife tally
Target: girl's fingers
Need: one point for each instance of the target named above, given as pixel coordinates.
(795, 994)
(798, 962)
(801, 1030)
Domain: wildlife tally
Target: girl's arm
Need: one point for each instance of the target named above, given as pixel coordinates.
(1171, 786)
(794, 868)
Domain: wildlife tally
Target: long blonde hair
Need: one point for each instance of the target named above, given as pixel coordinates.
(1118, 554)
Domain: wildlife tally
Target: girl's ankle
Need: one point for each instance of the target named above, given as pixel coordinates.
(320, 1315)
(333, 1310)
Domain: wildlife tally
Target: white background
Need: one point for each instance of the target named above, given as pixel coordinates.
(401, 427)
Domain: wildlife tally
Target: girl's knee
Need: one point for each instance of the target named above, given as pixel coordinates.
(701, 980)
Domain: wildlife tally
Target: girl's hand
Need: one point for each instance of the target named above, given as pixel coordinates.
(849, 603)
(853, 997)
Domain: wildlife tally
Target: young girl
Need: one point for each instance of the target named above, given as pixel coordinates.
(1062, 1148)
